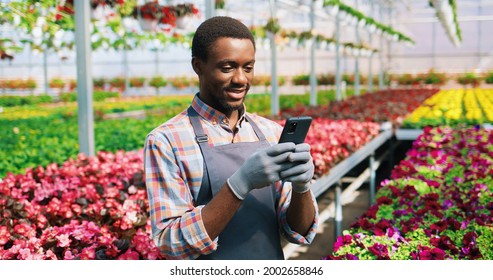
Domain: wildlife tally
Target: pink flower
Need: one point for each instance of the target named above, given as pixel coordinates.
(129, 255)
(63, 240)
(68, 255)
(4, 235)
(88, 253)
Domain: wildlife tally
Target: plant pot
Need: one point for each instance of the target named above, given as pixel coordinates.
(184, 22)
(148, 24)
(97, 13)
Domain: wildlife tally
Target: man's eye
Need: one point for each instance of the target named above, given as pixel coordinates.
(248, 69)
(226, 69)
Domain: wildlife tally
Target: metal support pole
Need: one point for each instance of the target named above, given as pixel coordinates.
(338, 58)
(84, 78)
(45, 70)
(433, 44)
(356, 60)
(372, 179)
(370, 75)
(313, 77)
(210, 8)
(156, 60)
(274, 84)
(125, 70)
(479, 36)
(338, 210)
(389, 46)
(380, 53)
(274, 94)
(392, 143)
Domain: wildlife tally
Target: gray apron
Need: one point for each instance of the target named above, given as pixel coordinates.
(253, 232)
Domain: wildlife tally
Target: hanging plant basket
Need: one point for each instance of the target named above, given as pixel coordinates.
(184, 22)
(97, 13)
(148, 24)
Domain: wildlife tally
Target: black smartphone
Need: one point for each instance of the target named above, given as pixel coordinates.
(295, 129)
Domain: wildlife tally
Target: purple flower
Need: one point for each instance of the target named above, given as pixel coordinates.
(447, 204)
(379, 250)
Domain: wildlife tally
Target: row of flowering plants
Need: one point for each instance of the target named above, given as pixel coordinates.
(387, 105)
(87, 208)
(332, 141)
(97, 207)
(438, 203)
(453, 107)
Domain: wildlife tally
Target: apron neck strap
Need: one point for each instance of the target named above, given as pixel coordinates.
(201, 137)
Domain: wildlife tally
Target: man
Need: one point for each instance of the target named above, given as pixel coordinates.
(219, 185)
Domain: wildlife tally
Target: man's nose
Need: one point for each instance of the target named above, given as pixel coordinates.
(240, 77)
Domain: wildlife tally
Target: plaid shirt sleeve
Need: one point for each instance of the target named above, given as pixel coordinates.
(177, 226)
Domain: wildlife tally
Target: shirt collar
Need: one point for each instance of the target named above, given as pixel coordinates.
(212, 115)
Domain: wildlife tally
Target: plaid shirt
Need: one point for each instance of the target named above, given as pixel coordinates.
(174, 171)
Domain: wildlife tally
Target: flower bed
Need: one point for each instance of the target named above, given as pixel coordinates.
(87, 208)
(453, 107)
(332, 141)
(96, 208)
(40, 135)
(437, 205)
(388, 105)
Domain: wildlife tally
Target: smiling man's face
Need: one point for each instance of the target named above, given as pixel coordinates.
(226, 76)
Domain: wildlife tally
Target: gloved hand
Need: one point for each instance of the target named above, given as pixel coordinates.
(302, 170)
(261, 169)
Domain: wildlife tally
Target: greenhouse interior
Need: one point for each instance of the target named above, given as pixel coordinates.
(400, 94)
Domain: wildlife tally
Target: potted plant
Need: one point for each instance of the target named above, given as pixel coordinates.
(469, 79)
(219, 4)
(301, 80)
(326, 79)
(489, 78)
(57, 83)
(405, 79)
(434, 78)
(99, 83)
(149, 15)
(137, 82)
(272, 26)
(72, 85)
(179, 82)
(157, 82)
(118, 83)
(30, 84)
(184, 13)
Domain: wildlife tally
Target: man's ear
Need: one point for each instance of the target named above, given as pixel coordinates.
(197, 65)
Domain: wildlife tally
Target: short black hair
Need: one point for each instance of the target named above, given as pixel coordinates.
(214, 28)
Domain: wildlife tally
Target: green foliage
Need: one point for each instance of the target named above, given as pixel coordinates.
(489, 78)
(158, 81)
(53, 135)
(385, 212)
(302, 79)
(99, 82)
(434, 78)
(97, 96)
(137, 81)
(484, 241)
(14, 100)
(469, 79)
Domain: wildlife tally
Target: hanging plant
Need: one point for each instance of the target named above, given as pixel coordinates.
(188, 9)
(371, 23)
(219, 4)
(273, 26)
